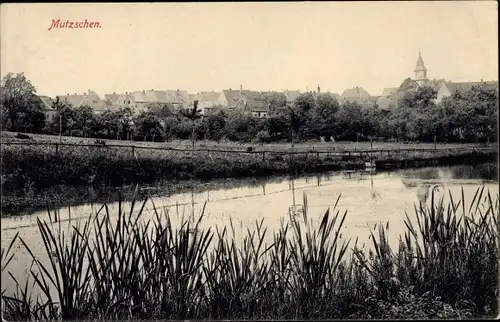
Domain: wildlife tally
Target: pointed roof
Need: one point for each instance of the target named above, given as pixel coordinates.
(420, 62)
(47, 103)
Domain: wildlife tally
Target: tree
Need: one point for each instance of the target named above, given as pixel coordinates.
(216, 124)
(192, 114)
(349, 121)
(149, 124)
(110, 123)
(65, 120)
(84, 118)
(422, 97)
(276, 101)
(322, 115)
(22, 107)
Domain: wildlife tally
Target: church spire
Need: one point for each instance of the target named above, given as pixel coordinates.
(420, 70)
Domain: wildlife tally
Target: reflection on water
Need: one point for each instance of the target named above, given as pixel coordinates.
(369, 198)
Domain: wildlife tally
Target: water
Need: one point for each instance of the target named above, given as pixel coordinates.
(370, 198)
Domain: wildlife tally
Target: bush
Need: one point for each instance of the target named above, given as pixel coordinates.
(263, 137)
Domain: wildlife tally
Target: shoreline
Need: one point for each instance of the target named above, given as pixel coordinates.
(67, 195)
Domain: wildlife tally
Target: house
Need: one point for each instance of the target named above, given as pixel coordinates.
(253, 102)
(90, 99)
(178, 98)
(357, 95)
(48, 108)
(230, 99)
(449, 88)
(139, 100)
(388, 99)
(291, 96)
(207, 101)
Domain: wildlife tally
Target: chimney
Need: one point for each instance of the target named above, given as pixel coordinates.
(67, 94)
(318, 89)
(126, 93)
(114, 93)
(143, 91)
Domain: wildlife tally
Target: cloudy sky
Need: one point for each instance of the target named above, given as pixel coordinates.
(262, 46)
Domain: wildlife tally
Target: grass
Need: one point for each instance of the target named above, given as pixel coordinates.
(27, 169)
(140, 267)
(228, 145)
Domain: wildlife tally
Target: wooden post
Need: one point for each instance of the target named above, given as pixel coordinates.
(133, 151)
(263, 156)
(57, 148)
(317, 155)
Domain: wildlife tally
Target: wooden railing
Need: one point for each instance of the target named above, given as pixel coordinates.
(330, 151)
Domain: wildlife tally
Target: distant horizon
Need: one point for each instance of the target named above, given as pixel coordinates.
(261, 46)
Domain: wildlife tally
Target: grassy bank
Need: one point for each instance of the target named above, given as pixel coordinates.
(229, 145)
(446, 266)
(26, 169)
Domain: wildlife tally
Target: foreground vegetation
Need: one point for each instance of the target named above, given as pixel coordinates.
(136, 266)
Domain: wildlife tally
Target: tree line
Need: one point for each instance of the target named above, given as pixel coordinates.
(462, 117)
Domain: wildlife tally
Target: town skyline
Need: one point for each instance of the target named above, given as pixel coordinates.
(261, 51)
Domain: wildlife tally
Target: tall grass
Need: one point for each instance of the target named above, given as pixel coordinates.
(28, 169)
(142, 267)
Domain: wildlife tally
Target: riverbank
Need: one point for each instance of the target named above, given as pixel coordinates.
(33, 174)
(445, 267)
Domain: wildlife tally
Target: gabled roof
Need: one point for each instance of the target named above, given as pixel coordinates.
(464, 87)
(76, 100)
(435, 83)
(208, 96)
(233, 97)
(177, 97)
(140, 97)
(389, 91)
(356, 94)
(112, 98)
(47, 103)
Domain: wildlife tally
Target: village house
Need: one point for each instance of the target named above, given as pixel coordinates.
(207, 101)
(48, 108)
(449, 88)
(357, 95)
(90, 99)
(252, 102)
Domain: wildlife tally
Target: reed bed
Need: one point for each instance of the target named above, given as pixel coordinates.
(140, 267)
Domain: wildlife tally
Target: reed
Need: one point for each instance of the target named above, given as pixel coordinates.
(140, 265)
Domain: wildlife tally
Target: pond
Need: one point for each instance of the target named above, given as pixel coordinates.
(369, 197)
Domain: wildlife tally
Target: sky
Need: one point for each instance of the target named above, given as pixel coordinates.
(261, 46)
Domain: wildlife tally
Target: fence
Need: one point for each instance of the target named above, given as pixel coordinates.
(331, 152)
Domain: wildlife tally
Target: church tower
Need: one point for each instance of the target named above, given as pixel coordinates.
(420, 71)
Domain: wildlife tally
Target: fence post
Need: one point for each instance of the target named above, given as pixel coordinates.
(263, 156)
(57, 148)
(133, 151)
